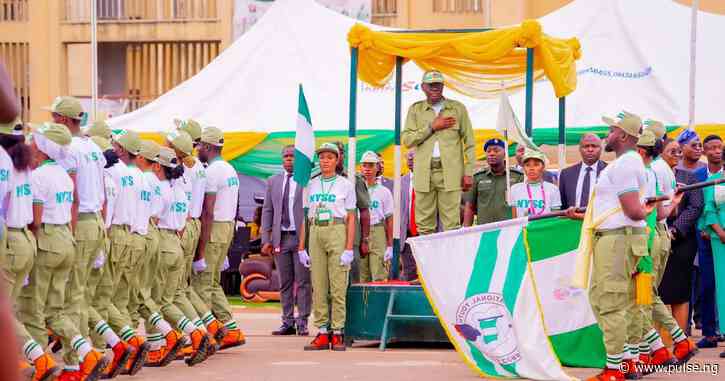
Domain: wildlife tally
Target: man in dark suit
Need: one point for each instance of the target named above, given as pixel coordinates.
(384, 181)
(282, 218)
(576, 182)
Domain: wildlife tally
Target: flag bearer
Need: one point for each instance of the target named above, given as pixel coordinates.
(620, 240)
(19, 253)
(144, 259)
(331, 203)
(221, 194)
(44, 297)
(534, 196)
(372, 266)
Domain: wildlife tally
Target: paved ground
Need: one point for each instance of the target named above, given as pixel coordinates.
(281, 358)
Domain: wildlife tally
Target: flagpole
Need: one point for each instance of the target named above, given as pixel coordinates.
(397, 245)
(508, 169)
(693, 62)
(352, 128)
(94, 59)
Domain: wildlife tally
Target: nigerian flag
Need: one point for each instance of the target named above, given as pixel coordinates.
(304, 142)
(501, 293)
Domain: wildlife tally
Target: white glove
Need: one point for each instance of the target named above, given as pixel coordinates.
(199, 266)
(388, 253)
(26, 281)
(99, 261)
(225, 265)
(346, 257)
(304, 258)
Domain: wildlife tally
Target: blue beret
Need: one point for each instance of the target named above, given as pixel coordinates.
(494, 142)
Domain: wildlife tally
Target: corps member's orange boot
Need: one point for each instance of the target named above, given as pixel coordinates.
(684, 350)
(93, 365)
(217, 330)
(138, 357)
(608, 375)
(45, 369)
(121, 354)
(234, 338)
(200, 347)
(662, 356)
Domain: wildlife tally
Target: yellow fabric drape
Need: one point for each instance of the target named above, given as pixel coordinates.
(476, 64)
(235, 143)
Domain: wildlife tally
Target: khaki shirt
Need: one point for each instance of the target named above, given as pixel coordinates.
(457, 144)
(488, 195)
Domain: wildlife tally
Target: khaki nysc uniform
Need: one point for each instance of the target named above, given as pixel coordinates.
(618, 243)
(488, 195)
(222, 181)
(43, 300)
(437, 181)
(328, 204)
(17, 243)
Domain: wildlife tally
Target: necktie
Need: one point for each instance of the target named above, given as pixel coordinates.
(412, 226)
(285, 202)
(586, 184)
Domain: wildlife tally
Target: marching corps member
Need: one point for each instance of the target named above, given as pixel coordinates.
(331, 205)
(172, 219)
(372, 266)
(163, 339)
(15, 157)
(127, 145)
(221, 194)
(45, 296)
(195, 175)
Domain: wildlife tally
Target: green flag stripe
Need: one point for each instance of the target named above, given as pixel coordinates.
(302, 168)
(515, 274)
(302, 107)
(552, 237)
(485, 263)
(583, 348)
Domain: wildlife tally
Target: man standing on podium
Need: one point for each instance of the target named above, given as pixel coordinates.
(441, 133)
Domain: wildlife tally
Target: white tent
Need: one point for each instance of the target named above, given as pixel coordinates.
(635, 56)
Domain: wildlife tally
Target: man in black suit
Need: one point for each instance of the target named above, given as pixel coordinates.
(576, 182)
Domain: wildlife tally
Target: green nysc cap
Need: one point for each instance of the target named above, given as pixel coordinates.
(630, 123)
(56, 133)
(66, 106)
(149, 150)
(180, 140)
(370, 157)
(432, 76)
(129, 140)
(13, 128)
(167, 157)
(656, 127)
(102, 143)
(328, 147)
(99, 128)
(213, 136)
(647, 139)
(533, 154)
(191, 127)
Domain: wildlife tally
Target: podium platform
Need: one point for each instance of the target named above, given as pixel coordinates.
(391, 312)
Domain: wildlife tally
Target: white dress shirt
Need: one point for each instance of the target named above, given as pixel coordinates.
(580, 181)
(436, 147)
(290, 205)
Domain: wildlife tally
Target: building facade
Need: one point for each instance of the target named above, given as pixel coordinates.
(147, 47)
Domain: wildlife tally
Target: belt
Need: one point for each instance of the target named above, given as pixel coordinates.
(334, 221)
(378, 224)
(170, 231)
(87, 216)
(122, 226)
(16, 229)
(288, 232)
(626, 230)
(436, 164)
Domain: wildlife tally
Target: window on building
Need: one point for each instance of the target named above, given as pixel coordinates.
(385, 7)
(16, 58)
(458, 6)
(13, 10)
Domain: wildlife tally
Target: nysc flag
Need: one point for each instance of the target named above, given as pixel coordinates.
(482, 283)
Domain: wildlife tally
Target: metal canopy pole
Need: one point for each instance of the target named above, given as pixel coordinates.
(529, 91)
(562, 133)
(352, 130)
(394, 263)
(94, 61)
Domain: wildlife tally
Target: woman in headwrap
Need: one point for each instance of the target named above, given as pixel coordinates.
(675, 288)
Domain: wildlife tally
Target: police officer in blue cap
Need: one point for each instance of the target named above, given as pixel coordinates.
(487, 197)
